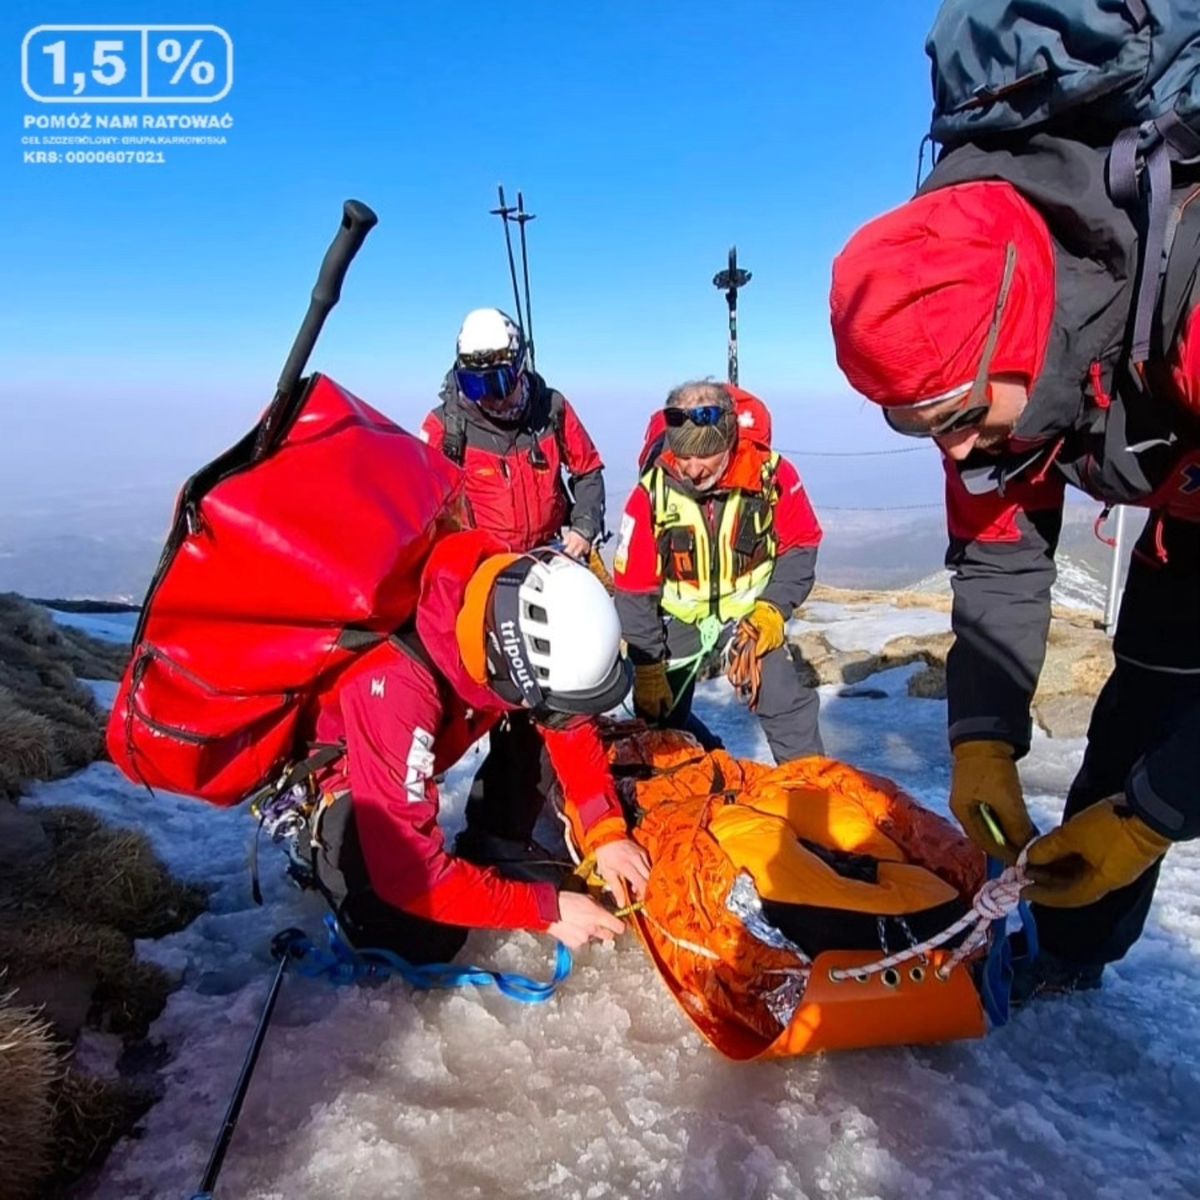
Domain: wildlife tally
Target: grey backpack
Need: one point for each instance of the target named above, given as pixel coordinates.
(1119, 73)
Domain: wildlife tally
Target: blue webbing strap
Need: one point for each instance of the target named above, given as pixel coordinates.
(995, 981)
(342, 964)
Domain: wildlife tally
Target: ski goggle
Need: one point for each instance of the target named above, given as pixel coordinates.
(483, 383)
(976, 395)
(703, 415)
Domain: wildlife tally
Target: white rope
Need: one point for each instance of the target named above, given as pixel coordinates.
(997, 898)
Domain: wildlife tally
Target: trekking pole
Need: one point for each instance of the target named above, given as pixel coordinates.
(285, 946)
(504, 212)
(730, 280)
(523, 219)
(357, 221)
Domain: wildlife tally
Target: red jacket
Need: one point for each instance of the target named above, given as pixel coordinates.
(403, 724)
(639, 567)
(513, 474)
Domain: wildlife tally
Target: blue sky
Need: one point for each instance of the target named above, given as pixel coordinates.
(149, 308)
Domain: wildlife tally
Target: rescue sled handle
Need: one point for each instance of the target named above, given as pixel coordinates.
(357, 221)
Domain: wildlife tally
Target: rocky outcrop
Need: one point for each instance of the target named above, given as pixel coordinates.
(1078, 656)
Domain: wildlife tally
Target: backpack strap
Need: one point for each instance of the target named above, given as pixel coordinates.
(454, 434)
(558, 415)
(320, 755)
(1153, 197)
(408, 640)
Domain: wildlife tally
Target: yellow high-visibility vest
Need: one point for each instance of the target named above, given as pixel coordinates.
(702, 575)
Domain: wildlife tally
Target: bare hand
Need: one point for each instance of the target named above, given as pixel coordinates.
(620, 863)
(580, 919)
(576, 545)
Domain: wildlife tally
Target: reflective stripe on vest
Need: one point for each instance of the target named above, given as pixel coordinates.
(714, 581)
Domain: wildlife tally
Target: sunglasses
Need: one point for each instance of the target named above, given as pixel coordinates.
(703, 415)
(483, 383)
(966, 416)
(976, 398)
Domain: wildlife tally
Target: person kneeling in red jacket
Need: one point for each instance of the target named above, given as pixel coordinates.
(495, 633)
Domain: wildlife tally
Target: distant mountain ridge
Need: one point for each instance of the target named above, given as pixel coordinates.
(1077, 586)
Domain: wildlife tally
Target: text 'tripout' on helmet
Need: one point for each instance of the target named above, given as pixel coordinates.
(554, 639)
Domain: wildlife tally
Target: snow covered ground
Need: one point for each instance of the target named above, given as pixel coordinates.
(107, 626)
(607, 1092)
(866, 627)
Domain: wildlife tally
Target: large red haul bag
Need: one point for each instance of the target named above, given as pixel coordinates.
(278, 571)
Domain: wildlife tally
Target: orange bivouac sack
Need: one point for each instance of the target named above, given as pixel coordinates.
(771, 886)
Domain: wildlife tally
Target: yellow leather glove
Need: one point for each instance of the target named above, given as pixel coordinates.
(652, 698)
(1096, 851)
(596, 566)
(985, 776)
(768, 625)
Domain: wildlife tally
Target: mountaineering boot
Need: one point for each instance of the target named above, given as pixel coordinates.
(1049, 975)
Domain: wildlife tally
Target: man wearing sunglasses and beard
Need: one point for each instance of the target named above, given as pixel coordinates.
(514, 437)
(717, 540)
(1001, 323)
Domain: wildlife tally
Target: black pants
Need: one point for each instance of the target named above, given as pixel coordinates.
(506, 798)
(511, 787)
(369, 922)
(1158, 627)
(788, 710)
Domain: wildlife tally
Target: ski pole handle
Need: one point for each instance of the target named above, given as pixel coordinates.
(357, 221)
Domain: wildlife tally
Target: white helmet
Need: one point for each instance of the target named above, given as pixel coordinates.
(489, 337)
(554, 638)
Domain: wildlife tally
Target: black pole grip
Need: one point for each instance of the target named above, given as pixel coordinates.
(357, 221)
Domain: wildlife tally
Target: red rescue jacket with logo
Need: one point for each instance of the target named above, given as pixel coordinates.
(403, 723)
(514, 471)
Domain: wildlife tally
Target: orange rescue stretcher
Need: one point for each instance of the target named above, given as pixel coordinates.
(775, 892)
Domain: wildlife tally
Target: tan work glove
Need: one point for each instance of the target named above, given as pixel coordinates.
(985, 777)
(596, 566)
(652, 698)
(1098, 850)
(768, 624)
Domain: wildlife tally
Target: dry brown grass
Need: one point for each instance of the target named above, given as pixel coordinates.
(112, 876)
(129, 994)
(49, 722)
(26, 739)
(30, 1069)
(67, 922)
(86, 656)
(89, 1116)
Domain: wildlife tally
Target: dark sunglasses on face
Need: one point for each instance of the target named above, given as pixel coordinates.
(956, 422)
(704, 414)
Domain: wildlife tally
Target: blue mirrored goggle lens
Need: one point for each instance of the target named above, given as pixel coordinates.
(494, 382)
(705, 414)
